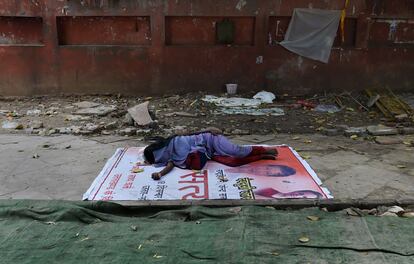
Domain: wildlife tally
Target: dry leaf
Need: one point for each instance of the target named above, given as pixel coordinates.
(401, 166)
(157, 256)
(307, 141)
(137, 170)
(354, 136)
(312, 217)
(304, 239)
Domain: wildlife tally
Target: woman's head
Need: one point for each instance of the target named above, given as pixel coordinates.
(149, 150)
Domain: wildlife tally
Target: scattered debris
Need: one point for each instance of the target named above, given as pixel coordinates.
(232, 102)
(11, 125)
(312, 218)
(86, 104)
(33, 112)
(183, 114)
(140, 114)
(36, 124)
(389, 104)
(235, 210)
(97, 111)
(395, 209)
(358, 131)
(275, 111)
(327, 108)
(265, 97)
(77, 118)
(304, 239)
(381, 130)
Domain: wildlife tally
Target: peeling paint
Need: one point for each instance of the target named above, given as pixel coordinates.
(241, 4)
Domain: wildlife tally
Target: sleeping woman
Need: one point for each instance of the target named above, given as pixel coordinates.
(194, 150)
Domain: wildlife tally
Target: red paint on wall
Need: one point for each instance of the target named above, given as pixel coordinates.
(166, 46)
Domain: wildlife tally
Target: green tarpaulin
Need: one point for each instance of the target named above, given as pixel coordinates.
(85, 232)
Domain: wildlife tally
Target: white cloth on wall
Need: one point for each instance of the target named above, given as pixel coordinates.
(312, 32)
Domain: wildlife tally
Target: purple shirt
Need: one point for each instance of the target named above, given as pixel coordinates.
(211, 145)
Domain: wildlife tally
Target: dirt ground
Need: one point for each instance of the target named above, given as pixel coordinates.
(184, 112)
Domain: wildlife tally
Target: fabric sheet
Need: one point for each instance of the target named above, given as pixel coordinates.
(312, 32)
(103, 232)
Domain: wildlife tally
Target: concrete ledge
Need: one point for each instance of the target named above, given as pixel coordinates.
(331, 205)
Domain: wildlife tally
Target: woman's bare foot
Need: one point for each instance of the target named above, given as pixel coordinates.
(271, 152)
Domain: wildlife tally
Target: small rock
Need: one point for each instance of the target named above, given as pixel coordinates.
(64, 130)
(111, 125)
(386, 140)
(76, 118)
(36, 124)
(359, 131)
(129, 131)
(381, 130)
(33, 112)
(52, 110)
(91, 127)
(68, 146)
(106, 132)
(332, 132)
(240, 132)
(35, 156)
(51, 131)
(406, 130)
(97, 111)
(180, 130)
(75, 129)
(128, 120)
(86, 104)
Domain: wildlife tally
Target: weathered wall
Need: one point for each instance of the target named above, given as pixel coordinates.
(161, 46)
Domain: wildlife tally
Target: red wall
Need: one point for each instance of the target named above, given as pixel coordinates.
(159, 46)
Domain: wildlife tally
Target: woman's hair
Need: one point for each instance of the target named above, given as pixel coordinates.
(159, 144)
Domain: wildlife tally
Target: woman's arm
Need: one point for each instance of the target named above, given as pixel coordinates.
(212, 130)
(165, 171)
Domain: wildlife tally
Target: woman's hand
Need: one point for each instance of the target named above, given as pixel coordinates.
(156, 176)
